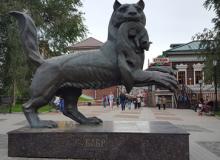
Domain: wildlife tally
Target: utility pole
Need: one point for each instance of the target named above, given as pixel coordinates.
(215, 84)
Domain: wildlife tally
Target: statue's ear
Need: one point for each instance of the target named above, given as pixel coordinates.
(141, 4)
(116, 5)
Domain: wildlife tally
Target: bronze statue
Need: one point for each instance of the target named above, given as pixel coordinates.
(119, 62)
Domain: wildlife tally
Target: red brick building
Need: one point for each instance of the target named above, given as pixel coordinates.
(92, 44)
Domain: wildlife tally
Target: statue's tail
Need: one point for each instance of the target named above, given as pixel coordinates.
(28, 34)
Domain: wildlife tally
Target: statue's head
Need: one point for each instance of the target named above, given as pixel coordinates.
(128, 12)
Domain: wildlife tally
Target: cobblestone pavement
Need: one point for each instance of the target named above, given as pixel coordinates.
(204, 130)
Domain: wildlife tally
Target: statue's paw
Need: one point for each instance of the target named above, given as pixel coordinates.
(45, 124)
(93, 120)
(96, 119)
(50, 124)
(167, 80)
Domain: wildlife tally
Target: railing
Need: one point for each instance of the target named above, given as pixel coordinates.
(185, 97)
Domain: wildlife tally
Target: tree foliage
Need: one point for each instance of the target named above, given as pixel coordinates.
(210, 40)
(59, 23)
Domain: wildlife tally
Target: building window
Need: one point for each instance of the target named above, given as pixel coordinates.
(181, 77)
(198, 76)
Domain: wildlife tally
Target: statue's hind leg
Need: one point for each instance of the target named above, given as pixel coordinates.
(71, 96)
(30, 111)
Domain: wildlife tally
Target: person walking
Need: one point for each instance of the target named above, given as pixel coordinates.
(129, 103)
(135, 103)
(122, 101)
(56, 102)
(158, 102)
(139, 102)
(111, 100)
(117, 101)
(104, 101)
(61, 105)
(164, 102)
(201, 106)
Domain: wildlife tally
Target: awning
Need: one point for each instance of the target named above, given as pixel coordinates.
(85, 98)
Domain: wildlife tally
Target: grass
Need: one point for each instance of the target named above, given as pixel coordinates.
(18, 108)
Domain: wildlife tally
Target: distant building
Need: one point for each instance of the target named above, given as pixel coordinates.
(187, 61)
(188, 64)
(89, 44)
(92, 44)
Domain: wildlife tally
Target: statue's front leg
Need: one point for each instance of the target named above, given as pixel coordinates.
(146, 78)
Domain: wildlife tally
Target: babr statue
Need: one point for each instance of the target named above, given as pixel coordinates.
(119, 62)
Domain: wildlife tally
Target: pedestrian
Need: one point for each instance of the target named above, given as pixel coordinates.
(135, 103)
(117, 101)
(139, 102)
(201, 106)
(122, 101)
(61, 106)
(163, 102)
(128, 103)
(104, 101)
(158, 102)
(111, 100)
(56, 102)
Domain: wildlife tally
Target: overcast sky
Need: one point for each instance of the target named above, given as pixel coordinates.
(168, 21)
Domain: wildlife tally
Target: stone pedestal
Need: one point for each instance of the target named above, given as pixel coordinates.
(119, 140)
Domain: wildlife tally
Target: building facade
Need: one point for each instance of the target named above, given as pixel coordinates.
(187, 62)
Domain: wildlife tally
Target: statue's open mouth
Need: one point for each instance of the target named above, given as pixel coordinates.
(128, 19)
(132, 18)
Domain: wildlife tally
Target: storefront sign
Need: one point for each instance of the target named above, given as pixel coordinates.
(161, 60)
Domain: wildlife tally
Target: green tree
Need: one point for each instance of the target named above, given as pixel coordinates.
(59, 23)
(210, 41)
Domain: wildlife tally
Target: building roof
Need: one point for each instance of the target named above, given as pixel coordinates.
(194, 46)
(174, 45)
(89, 43)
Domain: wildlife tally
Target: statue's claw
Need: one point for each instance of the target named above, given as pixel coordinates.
(168, 81)
(45, 124)
(95, 119)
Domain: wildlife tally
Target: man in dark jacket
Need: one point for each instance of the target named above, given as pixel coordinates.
(122, 101)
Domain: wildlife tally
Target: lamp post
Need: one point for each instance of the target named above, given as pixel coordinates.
(215, 84)
(200, 85)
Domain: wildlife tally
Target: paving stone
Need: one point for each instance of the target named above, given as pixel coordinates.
(21, 123)
(168, 118)
(130, 112)
(164, 114)
(127, 116)
(3, 141)
(213, 147)
(201, 128)
(193, 128)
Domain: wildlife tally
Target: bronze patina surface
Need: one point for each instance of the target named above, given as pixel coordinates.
(119, 62)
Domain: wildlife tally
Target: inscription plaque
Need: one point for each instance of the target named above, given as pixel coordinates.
(94, 142)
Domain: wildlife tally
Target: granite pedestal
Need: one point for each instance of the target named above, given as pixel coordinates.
(119, 140)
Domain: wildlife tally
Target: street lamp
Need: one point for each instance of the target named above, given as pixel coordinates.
(215, 83)
(200, 85)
